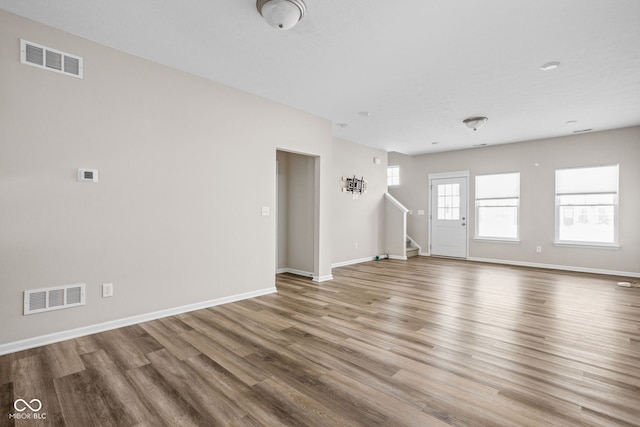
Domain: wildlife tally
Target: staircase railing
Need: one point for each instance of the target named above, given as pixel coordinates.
(395, 229)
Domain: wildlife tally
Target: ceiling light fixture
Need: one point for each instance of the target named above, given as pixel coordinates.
(550, 66)
(475, 123)
(281, 14)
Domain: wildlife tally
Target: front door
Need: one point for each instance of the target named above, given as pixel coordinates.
(449, 217)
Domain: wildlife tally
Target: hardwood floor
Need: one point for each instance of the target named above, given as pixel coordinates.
(424, 342)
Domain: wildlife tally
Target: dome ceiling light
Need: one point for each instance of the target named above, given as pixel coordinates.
(475, 123)
(550, 66)
(281, 14)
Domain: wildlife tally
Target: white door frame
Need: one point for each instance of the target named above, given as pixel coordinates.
(460, 174)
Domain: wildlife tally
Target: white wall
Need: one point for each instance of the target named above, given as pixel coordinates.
(185, 167)
(357, 221)
(537, 214)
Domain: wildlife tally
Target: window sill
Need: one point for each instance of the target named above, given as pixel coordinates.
(587, 245)
(496, 240)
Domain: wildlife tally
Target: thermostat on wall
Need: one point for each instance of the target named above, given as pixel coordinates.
(90, 175)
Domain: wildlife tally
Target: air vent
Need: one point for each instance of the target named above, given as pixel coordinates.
(50, 59)
(582, 130)
(40, 300)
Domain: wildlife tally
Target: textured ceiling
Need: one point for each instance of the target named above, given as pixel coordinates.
(418, 66)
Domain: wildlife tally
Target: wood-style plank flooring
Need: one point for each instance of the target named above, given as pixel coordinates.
(424, 342)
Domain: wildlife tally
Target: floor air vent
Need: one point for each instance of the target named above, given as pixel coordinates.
(50, 59)
(39, 300)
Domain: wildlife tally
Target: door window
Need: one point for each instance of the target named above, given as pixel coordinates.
(449, 202)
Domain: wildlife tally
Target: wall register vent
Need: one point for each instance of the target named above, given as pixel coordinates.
(40, 300)
(50, 59)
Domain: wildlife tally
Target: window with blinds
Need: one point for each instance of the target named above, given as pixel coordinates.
(587, 205)
(497, 206)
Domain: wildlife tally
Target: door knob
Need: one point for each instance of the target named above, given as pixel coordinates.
(463, 224)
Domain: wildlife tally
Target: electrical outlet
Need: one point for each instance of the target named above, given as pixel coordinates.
(107, 290)
(538, 249)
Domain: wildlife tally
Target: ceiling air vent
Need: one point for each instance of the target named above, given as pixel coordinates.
(39, 300)
(50, 59)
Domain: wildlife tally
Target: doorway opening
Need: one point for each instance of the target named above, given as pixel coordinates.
(295, 213)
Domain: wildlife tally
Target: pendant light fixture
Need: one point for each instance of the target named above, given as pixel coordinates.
(281, 14)
(475, 122)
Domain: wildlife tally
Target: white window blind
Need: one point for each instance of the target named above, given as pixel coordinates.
(596, 180)
(499, 186)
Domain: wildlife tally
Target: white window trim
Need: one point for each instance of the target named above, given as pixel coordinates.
(573, 244)
(586, 244)
(497, 239)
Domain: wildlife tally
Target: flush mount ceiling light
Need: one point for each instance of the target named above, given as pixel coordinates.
(281, 14)
(550, 66)
(475, 122)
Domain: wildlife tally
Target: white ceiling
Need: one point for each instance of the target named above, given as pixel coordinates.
(419, 66)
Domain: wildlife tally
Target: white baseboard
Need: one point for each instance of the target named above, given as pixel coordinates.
(353, 261)
(305, 274)
(401, 258)
(557, 267)
(424, 253)
(294, 271)
(28, 343)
